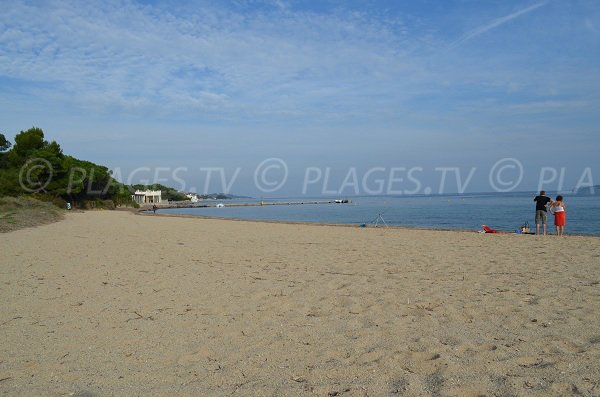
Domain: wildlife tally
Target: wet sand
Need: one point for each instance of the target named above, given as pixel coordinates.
(112, 303)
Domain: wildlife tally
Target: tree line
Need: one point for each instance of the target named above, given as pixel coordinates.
(39, 168)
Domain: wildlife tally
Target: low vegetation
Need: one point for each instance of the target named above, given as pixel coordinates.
(21, 212)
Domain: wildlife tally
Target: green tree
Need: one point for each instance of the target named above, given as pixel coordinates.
(87, 180)
(38, 167)
(33, 165)
(4, 143)
(28, 141)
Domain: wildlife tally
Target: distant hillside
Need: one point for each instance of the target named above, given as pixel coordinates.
(588, 191)
(38, 168)
(221, 196)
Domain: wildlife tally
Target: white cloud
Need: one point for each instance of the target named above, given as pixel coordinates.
(134, 52)
(214, 61)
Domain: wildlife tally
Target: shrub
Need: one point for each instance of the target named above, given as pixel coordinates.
(59, 202)
(108, 204)
(19, 212)
(98, 205)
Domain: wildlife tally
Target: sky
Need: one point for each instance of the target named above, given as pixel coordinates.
(282, 98)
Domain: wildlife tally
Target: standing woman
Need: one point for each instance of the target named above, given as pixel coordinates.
(559, 209)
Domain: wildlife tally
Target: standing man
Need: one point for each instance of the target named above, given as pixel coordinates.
(541, 204)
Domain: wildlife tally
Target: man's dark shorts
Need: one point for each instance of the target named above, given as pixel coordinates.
(540, 217)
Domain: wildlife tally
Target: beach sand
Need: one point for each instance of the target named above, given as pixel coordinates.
(112, 303)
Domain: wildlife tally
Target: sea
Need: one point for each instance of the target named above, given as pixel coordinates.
(500, 211)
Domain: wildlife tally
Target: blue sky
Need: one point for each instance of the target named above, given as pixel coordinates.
(319, 84)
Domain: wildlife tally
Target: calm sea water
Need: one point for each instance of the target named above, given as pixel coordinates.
(500, 211)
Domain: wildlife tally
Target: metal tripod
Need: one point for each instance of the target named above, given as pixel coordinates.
(379, 220)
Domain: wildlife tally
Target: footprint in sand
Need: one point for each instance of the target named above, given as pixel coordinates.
(529, 361)
(565, 388)
(424, 356)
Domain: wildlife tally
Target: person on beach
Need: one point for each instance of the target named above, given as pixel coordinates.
(154, 208)
(541, 205)
(559, 209)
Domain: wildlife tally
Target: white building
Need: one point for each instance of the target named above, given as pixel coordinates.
(193, 197)
(147, 197)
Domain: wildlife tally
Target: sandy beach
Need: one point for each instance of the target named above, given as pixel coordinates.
(113, 303)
